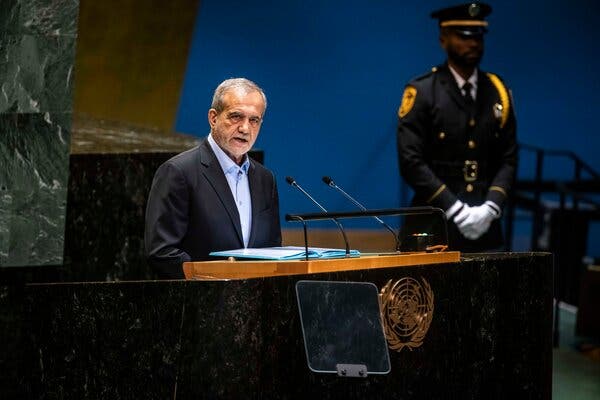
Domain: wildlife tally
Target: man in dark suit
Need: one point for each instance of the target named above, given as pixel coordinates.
(214, 197)
(457, 134)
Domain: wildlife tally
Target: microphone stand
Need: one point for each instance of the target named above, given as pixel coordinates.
(329, 182)
(293, 183)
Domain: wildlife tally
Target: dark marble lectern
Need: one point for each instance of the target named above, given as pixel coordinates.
(489, 337)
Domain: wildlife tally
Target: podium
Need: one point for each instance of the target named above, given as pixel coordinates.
(484, 330)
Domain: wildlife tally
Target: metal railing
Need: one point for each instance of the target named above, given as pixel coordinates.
(573, 189)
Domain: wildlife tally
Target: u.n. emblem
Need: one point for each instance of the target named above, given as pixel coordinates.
(406, 311)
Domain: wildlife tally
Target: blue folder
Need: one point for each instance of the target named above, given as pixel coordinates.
(285, 253)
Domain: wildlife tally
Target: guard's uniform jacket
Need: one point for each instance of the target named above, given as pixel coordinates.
(451, 149)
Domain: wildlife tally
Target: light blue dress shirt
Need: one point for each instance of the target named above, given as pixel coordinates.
(237, 178)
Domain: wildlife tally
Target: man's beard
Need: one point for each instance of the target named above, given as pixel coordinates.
(467, 60)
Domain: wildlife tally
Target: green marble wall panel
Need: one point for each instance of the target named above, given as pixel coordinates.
(37, 53)
(33, 185)
(37, 73)
(9, 16)
(39, 17)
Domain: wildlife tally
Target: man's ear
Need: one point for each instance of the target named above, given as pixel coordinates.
(443, 41)
(212, 117)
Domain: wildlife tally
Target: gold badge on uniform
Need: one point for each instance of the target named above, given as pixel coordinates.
(406, 312)
(408, 101)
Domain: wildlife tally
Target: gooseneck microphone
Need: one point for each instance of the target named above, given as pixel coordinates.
(329, 182)
(293, 183)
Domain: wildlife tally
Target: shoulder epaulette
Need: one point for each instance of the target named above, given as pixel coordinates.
(426, 75)
(504, 99)
(410, 93)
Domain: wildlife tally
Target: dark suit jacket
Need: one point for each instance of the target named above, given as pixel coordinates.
(441, 131)
(191, 211)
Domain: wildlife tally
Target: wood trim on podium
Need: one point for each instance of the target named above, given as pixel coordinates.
(210, 270)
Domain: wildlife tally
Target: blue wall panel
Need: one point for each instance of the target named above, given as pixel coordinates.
(334, 73)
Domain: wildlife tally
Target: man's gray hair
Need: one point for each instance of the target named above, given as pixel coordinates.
(242, 84)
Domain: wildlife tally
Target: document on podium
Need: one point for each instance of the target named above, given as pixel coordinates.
(285, 253)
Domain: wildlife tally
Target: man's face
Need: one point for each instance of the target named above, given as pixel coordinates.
(236, 128)
(465, 51)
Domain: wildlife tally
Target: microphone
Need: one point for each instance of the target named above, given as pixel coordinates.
(293, 183)
(329, 182)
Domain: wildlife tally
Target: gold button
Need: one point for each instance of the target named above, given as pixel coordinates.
(471, 122)
(469, 188)
(471, 144)
(434, 69)
(442, 135)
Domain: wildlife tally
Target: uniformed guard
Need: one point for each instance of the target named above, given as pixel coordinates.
(457, 134)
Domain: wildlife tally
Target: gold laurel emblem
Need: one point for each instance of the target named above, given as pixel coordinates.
(408, 101)
(406, 312)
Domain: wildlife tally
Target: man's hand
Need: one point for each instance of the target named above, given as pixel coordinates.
(457, 211)
(478, 220)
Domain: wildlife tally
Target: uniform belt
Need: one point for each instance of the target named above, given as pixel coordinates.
(468, 170)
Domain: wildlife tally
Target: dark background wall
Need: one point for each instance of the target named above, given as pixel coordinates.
(131, 57)
(334, 73)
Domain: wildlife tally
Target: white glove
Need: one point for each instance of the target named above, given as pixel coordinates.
(457, 209)
(458, 212)
(462, 215)
(479, 220)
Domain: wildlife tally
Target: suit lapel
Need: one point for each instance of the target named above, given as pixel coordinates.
(215, 176)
